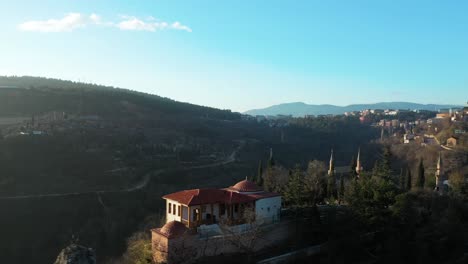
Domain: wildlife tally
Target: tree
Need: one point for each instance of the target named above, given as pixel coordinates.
(275, 179)
(387, 159)
(408, 179)
(401, 180)
(331, 186)
(138, 249)
(458, 182)
(315, 182)
(247, 241)
(342, 189)
(370, 198)
(421, 178)
(352, 169)
(295, 193)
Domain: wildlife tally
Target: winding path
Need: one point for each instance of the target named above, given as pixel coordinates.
(140, 185)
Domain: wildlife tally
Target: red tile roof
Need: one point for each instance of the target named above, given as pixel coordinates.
(246, 186)
(213, 196)
(172, 229)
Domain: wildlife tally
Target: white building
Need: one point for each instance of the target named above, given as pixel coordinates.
(209, 206)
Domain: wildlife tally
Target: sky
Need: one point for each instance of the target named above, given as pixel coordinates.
(242, 55)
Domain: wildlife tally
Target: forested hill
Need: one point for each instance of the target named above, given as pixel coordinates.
(100, 178)
(25, 96)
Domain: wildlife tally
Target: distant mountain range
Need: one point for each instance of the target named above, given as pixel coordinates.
(302, 109)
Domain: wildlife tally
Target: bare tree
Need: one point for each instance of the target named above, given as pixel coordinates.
(315, 181)
(244, 237)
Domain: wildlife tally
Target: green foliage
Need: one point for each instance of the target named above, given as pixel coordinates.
(408, 179)
(401, 181)
(331, 186)
(294, 193)
(275, 179)
(370, 198)
(352, 169)
(341, 193)
(315, 182)
(138, 250)
(420, 181)
(33, 95)
(458, 181)
(425, 221)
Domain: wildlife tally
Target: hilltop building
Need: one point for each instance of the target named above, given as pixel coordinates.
(209, 206)
(213, 214)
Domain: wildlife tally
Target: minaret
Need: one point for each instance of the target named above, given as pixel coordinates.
(358, 163)
(271, 161)
(331, 170)
(438, 174)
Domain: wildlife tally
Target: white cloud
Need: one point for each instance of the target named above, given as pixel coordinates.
(95, 19)
(133, 23)
(179, 26)
(73, 21)
(69, 22)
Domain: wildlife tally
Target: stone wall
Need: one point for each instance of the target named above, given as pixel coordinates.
(185, 249)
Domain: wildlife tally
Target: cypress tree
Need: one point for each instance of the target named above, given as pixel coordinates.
(352, 169)
(421, 178)
(387, 158)
(408, 179)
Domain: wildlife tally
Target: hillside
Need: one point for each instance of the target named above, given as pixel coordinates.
(33, 96)
(301, 109)
(93, 162)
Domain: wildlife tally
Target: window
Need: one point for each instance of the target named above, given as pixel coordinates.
(179, 211)
(268, 209)
(169, 208)
(203, 208)
(236, 208)
(173, 207)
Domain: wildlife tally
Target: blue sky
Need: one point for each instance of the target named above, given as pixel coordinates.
(240, 54)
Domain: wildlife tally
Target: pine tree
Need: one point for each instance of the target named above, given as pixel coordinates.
(421, 178)
(387, 159)
(408, 179)
(376, 169)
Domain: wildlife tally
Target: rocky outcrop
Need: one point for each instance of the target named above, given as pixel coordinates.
(76, 254)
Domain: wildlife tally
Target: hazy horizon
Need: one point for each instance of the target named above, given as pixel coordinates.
(229, 56)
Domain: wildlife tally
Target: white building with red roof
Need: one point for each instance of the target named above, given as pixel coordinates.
(193, 218)
(210, 206)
